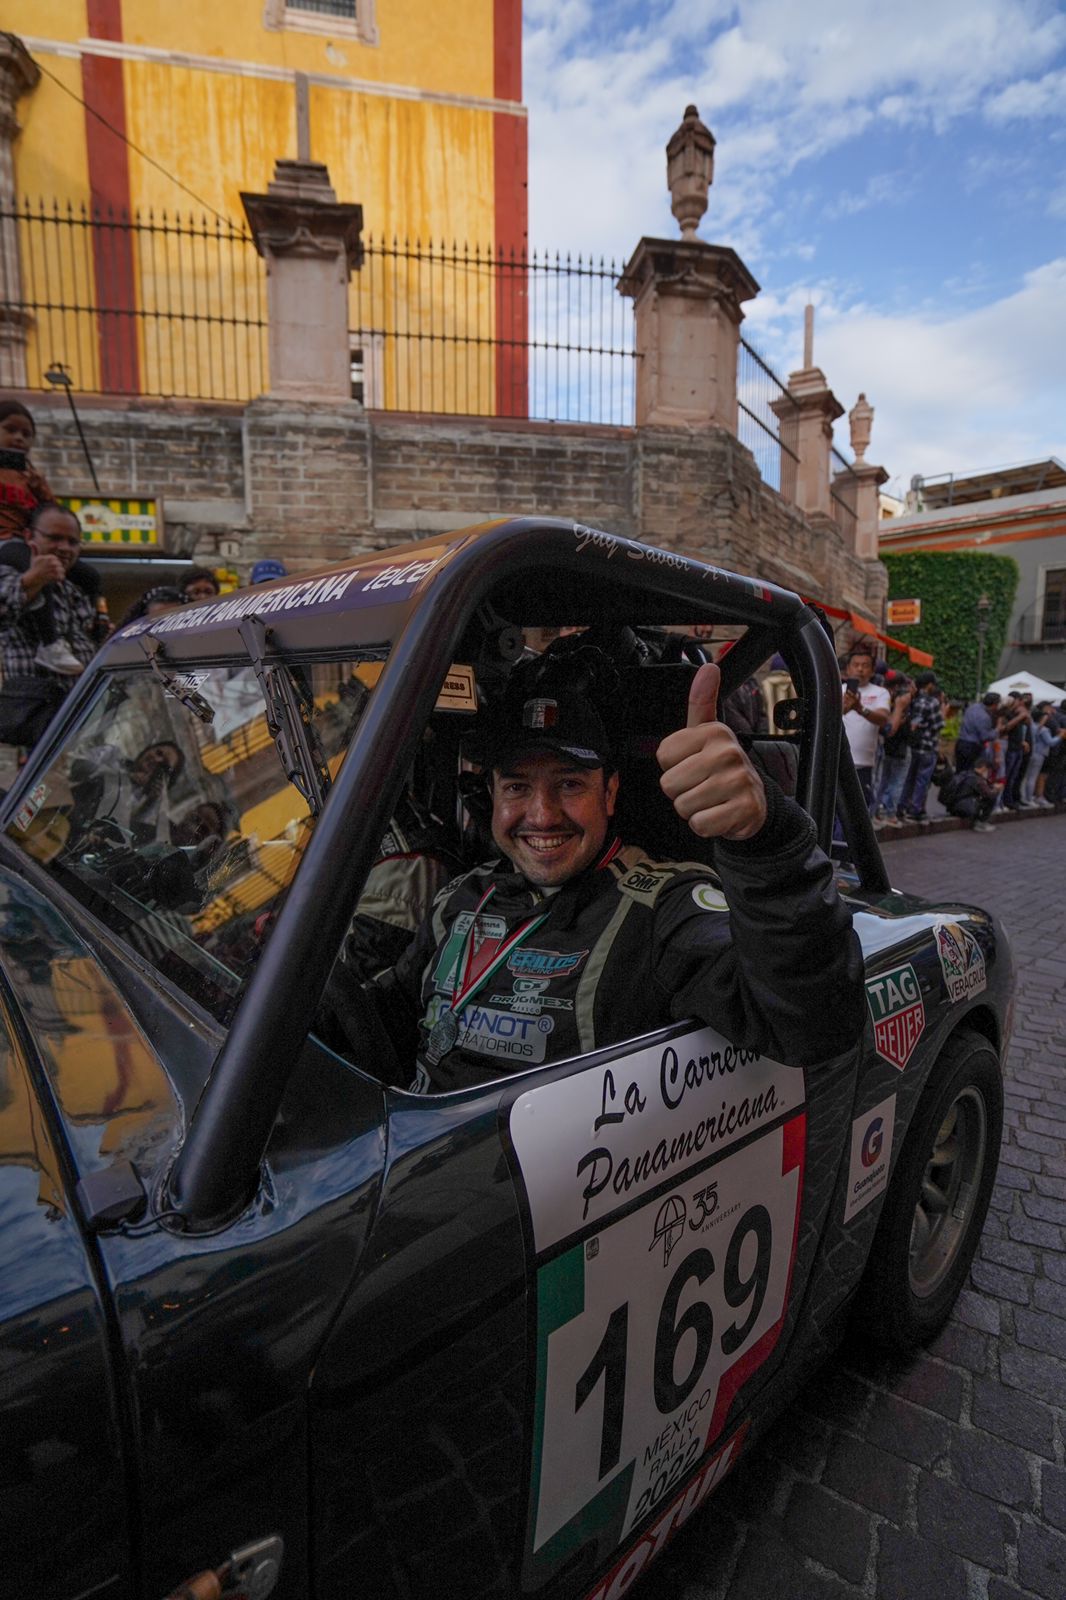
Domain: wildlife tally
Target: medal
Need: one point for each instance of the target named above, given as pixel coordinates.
(445, 1030)
(442, 1036)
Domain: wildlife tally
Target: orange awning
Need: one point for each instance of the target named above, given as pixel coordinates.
(918, 658)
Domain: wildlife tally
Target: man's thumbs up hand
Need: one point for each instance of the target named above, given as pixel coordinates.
(706, 774)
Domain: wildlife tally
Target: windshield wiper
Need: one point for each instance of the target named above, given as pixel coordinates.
(287, 718)
(188, 697)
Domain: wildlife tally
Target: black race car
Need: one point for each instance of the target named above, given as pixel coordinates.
(502, 1341)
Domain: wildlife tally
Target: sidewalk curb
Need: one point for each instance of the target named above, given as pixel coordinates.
(922, 830)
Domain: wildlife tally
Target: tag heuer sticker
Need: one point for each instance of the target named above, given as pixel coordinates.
(895, 1002)
(961, 961)
(871, 1153)
(709, 897)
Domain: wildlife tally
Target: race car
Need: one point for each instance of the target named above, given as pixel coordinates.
(270, 1317)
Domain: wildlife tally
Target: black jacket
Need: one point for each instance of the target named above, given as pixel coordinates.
(635, 945)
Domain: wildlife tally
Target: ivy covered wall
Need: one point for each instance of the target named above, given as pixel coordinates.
(949, 583)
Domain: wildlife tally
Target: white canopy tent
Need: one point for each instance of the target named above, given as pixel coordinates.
(1028, 683)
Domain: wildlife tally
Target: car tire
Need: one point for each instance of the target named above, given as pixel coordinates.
(937, 1199)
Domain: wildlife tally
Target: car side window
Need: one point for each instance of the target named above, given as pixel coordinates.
(183, 834)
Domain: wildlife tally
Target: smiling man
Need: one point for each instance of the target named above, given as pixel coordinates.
(573, 940)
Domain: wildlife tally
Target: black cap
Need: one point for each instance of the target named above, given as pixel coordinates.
(924, 679)
(565, 723)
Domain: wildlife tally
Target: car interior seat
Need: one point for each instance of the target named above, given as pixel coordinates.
(652, 702)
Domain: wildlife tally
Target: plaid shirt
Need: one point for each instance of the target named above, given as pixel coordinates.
(72, 610)
(926, 721)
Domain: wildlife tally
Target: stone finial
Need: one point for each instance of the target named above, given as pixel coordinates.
(690, 171)
(861, 421)
(808, 336)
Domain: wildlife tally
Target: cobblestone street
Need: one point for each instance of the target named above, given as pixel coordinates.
(942, 1478)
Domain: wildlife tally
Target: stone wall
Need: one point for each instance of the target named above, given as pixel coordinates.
(314, 483)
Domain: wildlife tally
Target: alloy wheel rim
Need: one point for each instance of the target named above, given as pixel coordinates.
(948, 1192)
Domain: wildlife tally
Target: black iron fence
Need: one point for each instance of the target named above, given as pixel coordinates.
(843, 493)
(174, 305)
(487, 332)
(768, 419)
(144, 303)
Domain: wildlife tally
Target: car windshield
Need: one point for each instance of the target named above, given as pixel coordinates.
(181, 834)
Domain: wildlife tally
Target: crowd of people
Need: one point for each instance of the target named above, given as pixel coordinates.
(1010, 755)
(53, 617)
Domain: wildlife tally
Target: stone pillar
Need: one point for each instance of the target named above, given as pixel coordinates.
(806, 416)
(19, 75)
(311, 244)
(687, 299)
(686, 302)
(870, 478)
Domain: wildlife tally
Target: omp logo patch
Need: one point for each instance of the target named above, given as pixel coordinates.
(897, 1012)
(643, 885)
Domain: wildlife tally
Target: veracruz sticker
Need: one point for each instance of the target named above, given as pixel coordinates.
(871, 1155)
(897, 1012)
(962, 961)
(664, 1196)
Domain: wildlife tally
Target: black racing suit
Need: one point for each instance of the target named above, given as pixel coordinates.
(632, 946)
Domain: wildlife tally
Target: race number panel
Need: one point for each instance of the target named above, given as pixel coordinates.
(664, 1195)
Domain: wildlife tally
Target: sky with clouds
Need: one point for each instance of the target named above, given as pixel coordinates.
(903, 167)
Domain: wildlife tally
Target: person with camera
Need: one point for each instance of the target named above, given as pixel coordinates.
(32, 692)
(895, 752)
(866, 707)
(926, 724)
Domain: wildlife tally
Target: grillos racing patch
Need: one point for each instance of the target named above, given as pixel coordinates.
(961, 961)
(529, 963)
(871, 1153)
(897, 1012)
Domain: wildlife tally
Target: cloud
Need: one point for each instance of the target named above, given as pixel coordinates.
(886, 188)
(810, 106)
(976, 390)
(780, 85)
(1033, 97)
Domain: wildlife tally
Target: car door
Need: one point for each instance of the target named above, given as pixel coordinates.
(62, 1484)
(578, 1284)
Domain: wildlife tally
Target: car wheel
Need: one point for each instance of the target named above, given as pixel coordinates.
(936, 1203)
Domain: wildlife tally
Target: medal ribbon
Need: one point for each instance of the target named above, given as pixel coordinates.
(465, 988)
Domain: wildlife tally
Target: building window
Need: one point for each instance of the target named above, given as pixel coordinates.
(367, 369)
(1054, 622)
(338, 19)
(325, 8)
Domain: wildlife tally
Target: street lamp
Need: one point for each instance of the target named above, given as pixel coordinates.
(984, 606)
(58, 376)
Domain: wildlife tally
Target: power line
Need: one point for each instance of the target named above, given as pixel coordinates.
(152, 162)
